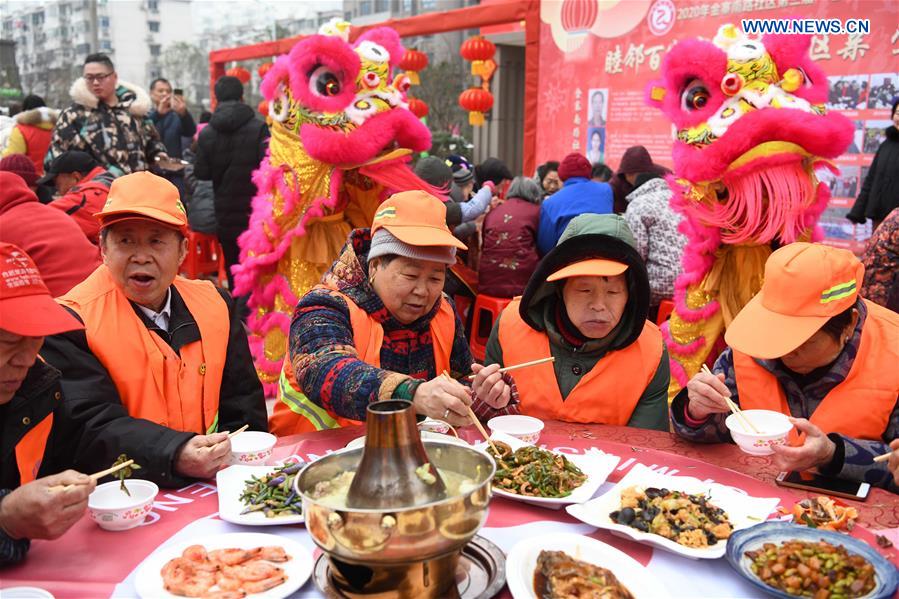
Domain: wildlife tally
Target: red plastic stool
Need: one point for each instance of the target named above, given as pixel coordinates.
(666, 307)
(486, 310)
(204, 258)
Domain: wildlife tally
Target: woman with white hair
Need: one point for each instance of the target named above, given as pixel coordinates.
(509, 252)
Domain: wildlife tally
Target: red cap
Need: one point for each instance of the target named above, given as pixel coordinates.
(575, 165)
(26, 306)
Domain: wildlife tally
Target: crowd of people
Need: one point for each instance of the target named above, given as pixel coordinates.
(105, 350)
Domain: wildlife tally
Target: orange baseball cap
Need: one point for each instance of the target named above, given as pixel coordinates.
(416, 218)
(26, 305)
(143, 195)
(805, 285)
(595, 267)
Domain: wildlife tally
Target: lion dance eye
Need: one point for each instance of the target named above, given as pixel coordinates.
(323, 82)
(695, 97)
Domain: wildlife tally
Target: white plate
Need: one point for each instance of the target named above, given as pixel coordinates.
(231, 482)
(522, 561)
(596, 465)
(742, 510)
(425, 436)
(148, 581)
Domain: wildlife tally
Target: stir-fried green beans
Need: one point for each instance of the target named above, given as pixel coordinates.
(273, 493)
(125, 472)
(535, 472)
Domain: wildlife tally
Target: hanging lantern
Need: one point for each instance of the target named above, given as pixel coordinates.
(477, 101)
(412, 62)
(478, 50)
(418, 107)
(262, 108)
(578, 16)
(264, 68)
(239, 72)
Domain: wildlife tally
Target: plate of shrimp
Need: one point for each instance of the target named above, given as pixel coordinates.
(227, 566)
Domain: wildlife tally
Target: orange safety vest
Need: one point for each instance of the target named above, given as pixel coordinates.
(607, 394)
(154, 382)
(30, 450)
(295, 413)
(860, 406)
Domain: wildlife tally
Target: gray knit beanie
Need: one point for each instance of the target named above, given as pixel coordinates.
(383, 243)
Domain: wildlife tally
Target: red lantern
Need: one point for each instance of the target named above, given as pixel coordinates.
(412, 62)
(264, 68)
(418, 107)
(578, 16)
(477, 101)
(262, 108)
(239, 72)
(477, 50)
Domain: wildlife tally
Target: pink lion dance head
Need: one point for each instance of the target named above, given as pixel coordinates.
(341, 139)
(751, 130)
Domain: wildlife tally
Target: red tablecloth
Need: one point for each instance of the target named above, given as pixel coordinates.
(90, 562)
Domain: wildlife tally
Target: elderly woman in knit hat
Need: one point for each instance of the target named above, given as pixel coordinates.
(379, 327)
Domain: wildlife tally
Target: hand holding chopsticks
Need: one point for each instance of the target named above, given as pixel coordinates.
(475, 420)
(734, 407)
(97, 475)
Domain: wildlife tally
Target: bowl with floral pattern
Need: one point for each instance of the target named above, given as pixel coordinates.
(114, 509)
(772, 429)
(524, 428)
(252, 448)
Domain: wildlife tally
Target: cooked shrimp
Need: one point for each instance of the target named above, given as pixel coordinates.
(180, 577)
(261, 586)
(225, 595)
(227, 582)
(195, 553)
(253, 571)
(273, 554)
(232, 557)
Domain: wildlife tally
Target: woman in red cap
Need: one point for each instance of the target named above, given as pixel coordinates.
(807, 345)
(37, 440)
(378, 327)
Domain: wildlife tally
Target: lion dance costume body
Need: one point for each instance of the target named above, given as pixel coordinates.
(751, 131)
(342, 136)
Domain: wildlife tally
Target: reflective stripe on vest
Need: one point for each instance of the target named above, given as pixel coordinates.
(30, 450)
(155, 382)
(860, 406)
(295, 413)
(607, 394)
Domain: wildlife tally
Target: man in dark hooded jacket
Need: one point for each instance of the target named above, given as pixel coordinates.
(228, 151)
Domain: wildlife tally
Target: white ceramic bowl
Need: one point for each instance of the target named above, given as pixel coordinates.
(252, 448)
(772, 426)
(526, 428)
(112, 509)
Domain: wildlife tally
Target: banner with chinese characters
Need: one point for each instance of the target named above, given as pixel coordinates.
(595, 63)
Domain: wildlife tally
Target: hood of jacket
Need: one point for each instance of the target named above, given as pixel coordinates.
(42, 117)
(591, 236)
(653, 186)
(130, 96)
(14, 191)
(349, 275)
(231, 116)
(892, 133)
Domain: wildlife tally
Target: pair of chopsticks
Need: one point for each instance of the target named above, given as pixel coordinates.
(96, 475)
(517, 366)
(734, 407)
(474, 419)
(883, 457)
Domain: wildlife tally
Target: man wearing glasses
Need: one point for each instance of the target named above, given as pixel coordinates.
(107, 119)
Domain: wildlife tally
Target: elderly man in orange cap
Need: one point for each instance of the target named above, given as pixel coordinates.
(163, 364)
(808, 346)
(36, 442)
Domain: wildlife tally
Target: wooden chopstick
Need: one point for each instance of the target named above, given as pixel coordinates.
(238, 431)
(522, 365)
(97, 475)
(884, 457)
(734, 407)
(474, 419)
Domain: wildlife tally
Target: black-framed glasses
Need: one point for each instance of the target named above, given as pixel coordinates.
(100, 78)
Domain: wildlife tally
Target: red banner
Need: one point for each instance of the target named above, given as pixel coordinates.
(593, 75)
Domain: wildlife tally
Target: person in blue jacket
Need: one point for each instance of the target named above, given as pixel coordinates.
(579, 195)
